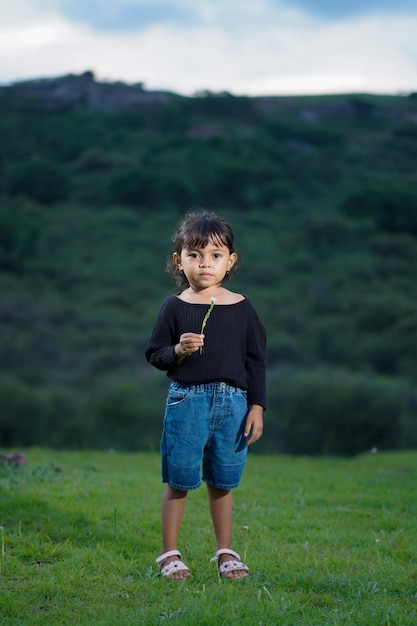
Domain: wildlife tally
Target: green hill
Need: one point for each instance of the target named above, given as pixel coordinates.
(321, 192)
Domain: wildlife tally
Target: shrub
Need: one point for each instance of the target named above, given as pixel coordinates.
(127, 414)
(40, 180)
(333, 412)
(146, 187)
(30, 416)
(392, 209)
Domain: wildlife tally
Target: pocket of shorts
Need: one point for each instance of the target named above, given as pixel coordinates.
(177, 395)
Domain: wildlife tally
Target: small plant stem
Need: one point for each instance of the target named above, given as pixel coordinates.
(115, 521)
(2, 548)
(246, 529)
(207, 315)
(268, 593)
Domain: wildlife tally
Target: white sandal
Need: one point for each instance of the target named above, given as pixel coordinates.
(173, 566)
(231, 565)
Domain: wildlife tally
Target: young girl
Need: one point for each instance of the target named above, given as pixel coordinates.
(211, 343)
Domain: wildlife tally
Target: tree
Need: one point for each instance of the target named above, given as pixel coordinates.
(40, 180)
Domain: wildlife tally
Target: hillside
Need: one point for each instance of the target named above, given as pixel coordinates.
(321, 192)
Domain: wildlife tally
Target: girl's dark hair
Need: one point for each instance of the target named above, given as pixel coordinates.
(196, 230)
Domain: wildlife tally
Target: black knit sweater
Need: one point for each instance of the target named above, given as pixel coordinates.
(234, 345)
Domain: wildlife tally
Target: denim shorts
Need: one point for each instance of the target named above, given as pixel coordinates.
(203, 436)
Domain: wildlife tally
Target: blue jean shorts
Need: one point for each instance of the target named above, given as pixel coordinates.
(203, 436)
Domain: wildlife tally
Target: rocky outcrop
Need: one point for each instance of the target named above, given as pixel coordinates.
(14, 459)
(84, 91)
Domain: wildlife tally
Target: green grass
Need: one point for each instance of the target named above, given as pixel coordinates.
(328, 541)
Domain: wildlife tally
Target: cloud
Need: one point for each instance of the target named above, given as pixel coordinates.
(334, 9)
(125, 15)
(130, 15)
(139, 15)
(240, 46)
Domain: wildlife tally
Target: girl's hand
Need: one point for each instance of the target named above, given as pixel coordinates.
(188, 343)
(254, 424)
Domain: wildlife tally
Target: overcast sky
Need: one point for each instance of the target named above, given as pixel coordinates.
(253, 47)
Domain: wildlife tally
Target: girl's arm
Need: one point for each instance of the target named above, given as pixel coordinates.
(256, 360)
(164, 349)
(160, 351)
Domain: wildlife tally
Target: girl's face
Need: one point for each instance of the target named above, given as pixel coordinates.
(205, 267)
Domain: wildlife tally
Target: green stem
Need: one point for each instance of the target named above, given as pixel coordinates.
(2, 542)
(207, 315)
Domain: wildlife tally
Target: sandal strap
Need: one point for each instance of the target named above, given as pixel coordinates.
(166, 555)
(225, 551)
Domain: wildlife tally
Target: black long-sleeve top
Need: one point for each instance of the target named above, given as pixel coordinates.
(234, 346)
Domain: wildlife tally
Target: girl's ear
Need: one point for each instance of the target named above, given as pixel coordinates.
(232, 261)
(177, 260)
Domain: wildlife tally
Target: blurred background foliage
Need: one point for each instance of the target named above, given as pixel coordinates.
(321, 192)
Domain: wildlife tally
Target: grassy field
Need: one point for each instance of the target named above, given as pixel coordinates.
(328, 541)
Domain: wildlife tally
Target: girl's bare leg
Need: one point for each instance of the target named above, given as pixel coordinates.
(221, 509)
(173, 505)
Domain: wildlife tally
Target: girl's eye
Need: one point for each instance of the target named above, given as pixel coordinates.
(217, 255)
